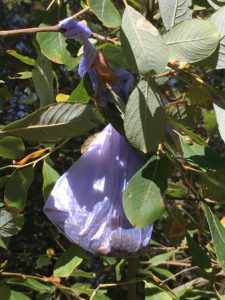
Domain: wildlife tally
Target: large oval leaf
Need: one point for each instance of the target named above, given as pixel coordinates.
(218, 19)
(67, 262)
(142, 199)
(53, 123)
(54, 47)
(174, 12)
(192, 40)
(11, 147)
(142, 43)
(145, 119)
(106, 12)
(53, 44)
(16, 189)
(200, 156)
(220, 117)
(9, 224)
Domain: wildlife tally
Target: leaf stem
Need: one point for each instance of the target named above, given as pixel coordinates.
(34, 162)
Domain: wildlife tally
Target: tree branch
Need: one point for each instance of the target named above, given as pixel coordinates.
(55, 28)
(33, 30)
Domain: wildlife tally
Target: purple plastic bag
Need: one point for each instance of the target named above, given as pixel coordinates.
(80, 32)
(86, 202)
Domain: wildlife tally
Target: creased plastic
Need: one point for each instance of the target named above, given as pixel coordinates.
(86, 202)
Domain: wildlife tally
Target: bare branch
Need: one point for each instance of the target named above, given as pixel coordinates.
(33, 30)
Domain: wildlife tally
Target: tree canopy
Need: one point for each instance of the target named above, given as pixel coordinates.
(153, 71)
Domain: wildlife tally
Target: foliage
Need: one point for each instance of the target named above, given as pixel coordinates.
(174, 118)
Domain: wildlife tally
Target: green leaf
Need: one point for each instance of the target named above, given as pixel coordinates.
(200, 258)
(22, 75)
(54, 47)
(213, 184)
(199, 95)
(11, 147)
(142, 199)
(81, 273)
(177, 190)
(106, 12)
(176, 124)
(115, 55)
(9, 224)
(218, 19)
(164, 273)
(145, 119)
(152, 291)
(188, 115)
(67, 262)
(5, 292)
(100, 296)
(33, 284)
(209, 119)
(52, 123)
(42, 76)
(174, 12)
(53, 44)
(201, 156)
(220, 117)
(192, 40)
(218, 235)
(81, 93)
(43, 260)
(16, 189)
(25, 59)
(155, 260)
(18, 296)
(3, 180)
(49, 178)
(83, 288)
(144, 48)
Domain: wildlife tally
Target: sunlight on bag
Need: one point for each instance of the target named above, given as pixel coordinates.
(86, 202)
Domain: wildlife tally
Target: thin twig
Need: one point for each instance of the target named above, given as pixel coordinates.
(197, 282)
(81, 12)
(34, 162)
(33, 30)
(26, 276)
(108, 285)
(56, 241)
(179, 273)
(105, 39)
(45, 279)
(55, 28)
(169, 263)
